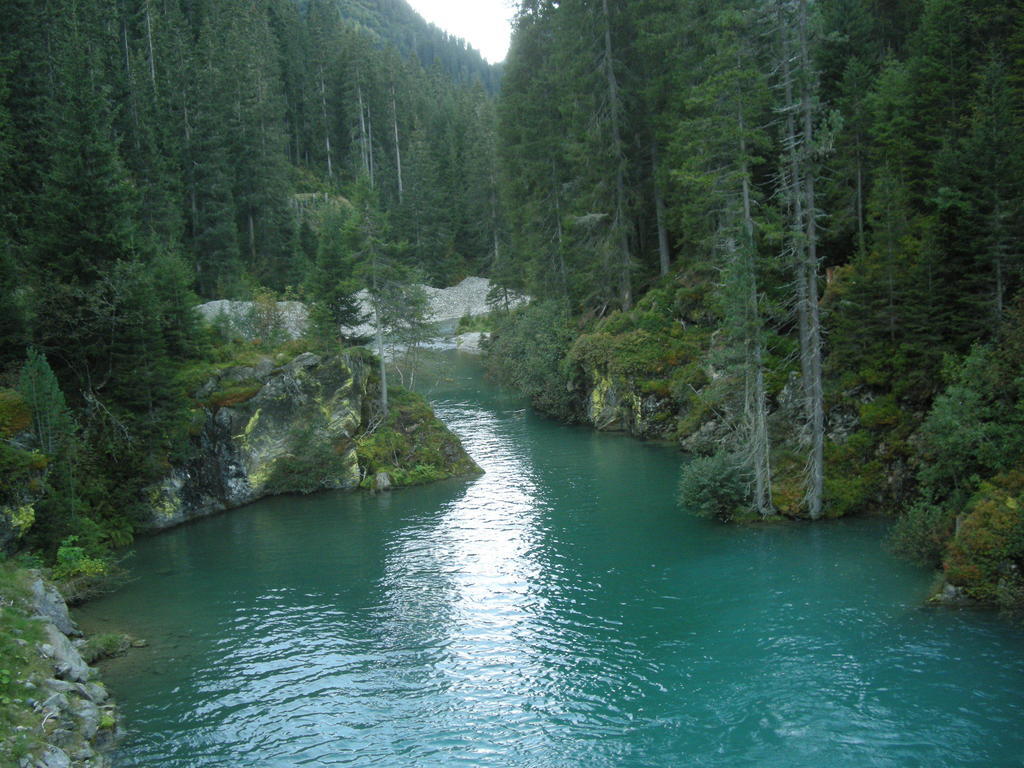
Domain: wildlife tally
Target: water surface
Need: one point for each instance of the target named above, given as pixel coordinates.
(558, 611)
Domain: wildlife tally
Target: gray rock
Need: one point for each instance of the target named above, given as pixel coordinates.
(88, 715)
(309, 408)
(445, 306)
(711, 436)
(53, 757)
(290, 321)
(67, 661)
(470, 342)
(55, 705)
(94, 692)
(59, 686)
(48, 603)
(382, 481)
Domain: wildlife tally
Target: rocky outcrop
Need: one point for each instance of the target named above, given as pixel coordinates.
(270, 428)
(290, 319)
(77, 723)
(612, 405)
(249, 320)
(265, 429)
(48, 603)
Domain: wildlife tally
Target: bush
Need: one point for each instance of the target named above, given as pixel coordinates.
(990, 543)
(922, 532)
(527, 353)
(106, 646)
(714, 486)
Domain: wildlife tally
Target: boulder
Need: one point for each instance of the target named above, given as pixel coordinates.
(291, 430)
(48, 603)
(53, 757)
(68, 663)
(88, 716)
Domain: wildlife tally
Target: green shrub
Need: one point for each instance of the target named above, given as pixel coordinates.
(527, 353)
(105, 646)
(922, 532)
(714, 486)
(990, 542)
(73, 562)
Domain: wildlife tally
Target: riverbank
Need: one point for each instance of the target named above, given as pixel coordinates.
(54, 712)
(556, 611)
(945, 466)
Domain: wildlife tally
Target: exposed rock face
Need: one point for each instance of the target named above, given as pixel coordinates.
(68, 663)
(294, 428)
(268, 430)
(617, 406)
(47, 602)
(77, 721)
(290, 319)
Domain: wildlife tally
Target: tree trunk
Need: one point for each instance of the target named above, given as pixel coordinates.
(362, 133)
(149, 43)
(379, 333)
(794, 191)
(618, 220)
(816, 466)
(327, 130)
(664, 250)
(398, 147)
(757, 401)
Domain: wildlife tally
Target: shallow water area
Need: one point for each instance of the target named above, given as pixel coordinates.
(557, 611)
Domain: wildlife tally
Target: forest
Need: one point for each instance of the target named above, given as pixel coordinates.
(788, 230)
(789, 233)
(154, 155)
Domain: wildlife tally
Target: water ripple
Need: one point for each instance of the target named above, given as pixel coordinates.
(555, 613)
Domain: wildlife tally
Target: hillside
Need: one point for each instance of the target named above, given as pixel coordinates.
(395, 23)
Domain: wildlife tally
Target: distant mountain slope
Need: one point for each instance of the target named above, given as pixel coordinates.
(395, 22)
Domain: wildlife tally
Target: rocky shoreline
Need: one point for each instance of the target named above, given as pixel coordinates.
(76, 721)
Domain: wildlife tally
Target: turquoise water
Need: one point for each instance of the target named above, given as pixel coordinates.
(558, 611)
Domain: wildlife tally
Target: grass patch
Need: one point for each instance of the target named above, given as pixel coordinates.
(19, 664)
(106, 646)
(475, 324)
(236, 394)
(411, 445)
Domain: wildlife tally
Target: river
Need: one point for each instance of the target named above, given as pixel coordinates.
(558, 611)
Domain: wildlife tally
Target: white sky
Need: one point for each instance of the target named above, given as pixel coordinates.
(484, 24)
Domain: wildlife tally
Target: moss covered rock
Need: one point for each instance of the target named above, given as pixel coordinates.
(410, 446)
(269, 428)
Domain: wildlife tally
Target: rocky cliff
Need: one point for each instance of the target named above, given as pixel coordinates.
(305, 425)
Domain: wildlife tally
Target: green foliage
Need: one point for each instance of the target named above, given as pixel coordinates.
(527, 350)
(922, 532)
(475, 323)
(411, 445)
(986, 554)
(19, 664)
(73, 562)
(856, 479)
(714, 486)
(976, 427)
(104, 646)
(51, 421)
